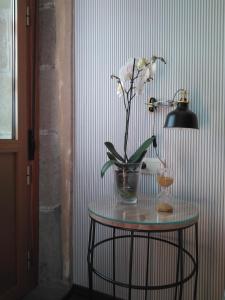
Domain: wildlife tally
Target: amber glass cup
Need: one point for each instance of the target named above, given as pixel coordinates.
(165, 178)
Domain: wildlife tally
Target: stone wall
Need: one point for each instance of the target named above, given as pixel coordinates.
(55, 17)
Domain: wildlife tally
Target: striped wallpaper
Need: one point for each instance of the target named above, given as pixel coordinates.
(190, 35)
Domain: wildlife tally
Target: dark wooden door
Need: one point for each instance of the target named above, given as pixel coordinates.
(18, 171)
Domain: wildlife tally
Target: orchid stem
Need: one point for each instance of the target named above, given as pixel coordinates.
(129, 98)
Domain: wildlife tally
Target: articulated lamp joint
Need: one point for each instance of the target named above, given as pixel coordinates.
(181, 117)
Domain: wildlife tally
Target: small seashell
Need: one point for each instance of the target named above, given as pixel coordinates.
(164, 207)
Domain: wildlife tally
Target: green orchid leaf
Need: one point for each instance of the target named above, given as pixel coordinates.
(112, 149)
(112, 157)
(137, 154)
(138, 160)
(106, 166)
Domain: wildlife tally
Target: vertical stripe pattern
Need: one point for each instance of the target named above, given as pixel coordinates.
(189, 34)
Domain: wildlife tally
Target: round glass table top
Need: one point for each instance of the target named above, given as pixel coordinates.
(109, 210)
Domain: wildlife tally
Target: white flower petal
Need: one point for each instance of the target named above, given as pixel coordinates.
(126, 71)
(142, 62)
(146, 74)
(153, 68)
(119, 90)
(139, 86)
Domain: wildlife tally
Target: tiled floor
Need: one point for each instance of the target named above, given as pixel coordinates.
(51, 291)
(76, 298)
(55, 291)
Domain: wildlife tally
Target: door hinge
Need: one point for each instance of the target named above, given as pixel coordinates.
(29, 174)
(28, 16)
(29, 260)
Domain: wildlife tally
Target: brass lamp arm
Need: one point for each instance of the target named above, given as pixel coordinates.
(153, 103)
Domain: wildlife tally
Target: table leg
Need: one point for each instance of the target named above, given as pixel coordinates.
(180, 237)
(89, 253)
(90, 256)
(114, 263)
(196, 257)
(131, 263)
(147, 267)
(178, 268)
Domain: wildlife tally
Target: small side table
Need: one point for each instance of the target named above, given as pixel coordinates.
(141, 221)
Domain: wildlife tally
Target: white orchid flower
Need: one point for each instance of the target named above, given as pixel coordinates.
(119, 90)
(142, 79)
(146, 72)
(139, 86)
(153, 68)
(142, 62)
(147, 67)
(126, 71)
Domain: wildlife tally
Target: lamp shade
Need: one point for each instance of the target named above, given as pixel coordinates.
(181, 117)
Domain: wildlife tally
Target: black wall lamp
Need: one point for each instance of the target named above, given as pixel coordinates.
(181, 117)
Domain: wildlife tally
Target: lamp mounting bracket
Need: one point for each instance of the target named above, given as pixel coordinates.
(152, 104)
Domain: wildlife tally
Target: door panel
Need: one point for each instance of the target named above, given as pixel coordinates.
(8, 273)
(17, 206)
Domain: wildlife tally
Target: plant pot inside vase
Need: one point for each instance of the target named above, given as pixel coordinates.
(126, 182)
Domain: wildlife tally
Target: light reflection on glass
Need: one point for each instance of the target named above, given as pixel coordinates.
(8, 68)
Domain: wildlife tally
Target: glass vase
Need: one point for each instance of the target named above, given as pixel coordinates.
(126, 182)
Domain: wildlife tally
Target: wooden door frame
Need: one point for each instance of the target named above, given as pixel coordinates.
(30, 65)
(33, 94)
(28, 90)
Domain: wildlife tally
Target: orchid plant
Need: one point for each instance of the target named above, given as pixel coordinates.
(130, 83)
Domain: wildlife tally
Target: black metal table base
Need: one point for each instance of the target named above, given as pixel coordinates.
(181, 279)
